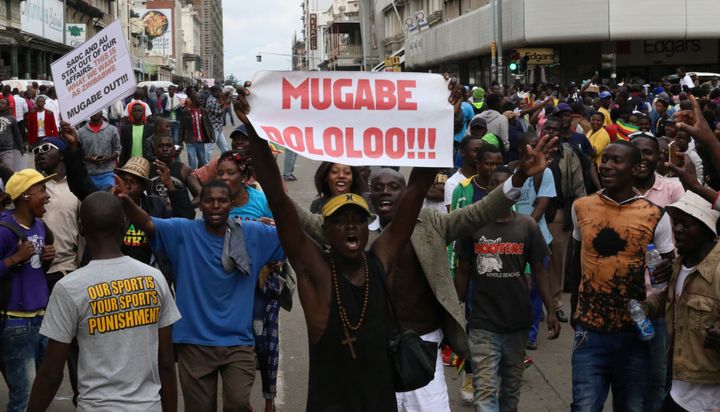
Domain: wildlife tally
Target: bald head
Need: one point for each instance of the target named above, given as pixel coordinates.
(101, 214)
(390, 173)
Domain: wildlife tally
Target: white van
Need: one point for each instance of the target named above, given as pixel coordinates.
(157, 83)
(23, 84)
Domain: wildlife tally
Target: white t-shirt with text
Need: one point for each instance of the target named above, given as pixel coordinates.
(114, 308)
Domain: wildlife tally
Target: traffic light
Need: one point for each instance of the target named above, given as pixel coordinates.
(513, 66)
(607, 61)
(259, 58)
(523, 63)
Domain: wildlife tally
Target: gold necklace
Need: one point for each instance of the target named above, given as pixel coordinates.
(344, 319)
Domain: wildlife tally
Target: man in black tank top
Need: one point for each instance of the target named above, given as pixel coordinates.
(344, 301)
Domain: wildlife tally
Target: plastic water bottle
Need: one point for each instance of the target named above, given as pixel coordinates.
(652, 260)
(645, 328)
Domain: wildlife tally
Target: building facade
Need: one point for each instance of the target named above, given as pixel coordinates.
(315, 21)
(211, 38)
(641, 39)
(34, 33)
(192, 55)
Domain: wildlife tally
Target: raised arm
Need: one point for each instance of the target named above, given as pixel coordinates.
(311, 223)
(313, 274)
(588, 83)
(397, 234)
(134, 213)
(463, 222)
(298, 246)
(78, 179)
(695, 124)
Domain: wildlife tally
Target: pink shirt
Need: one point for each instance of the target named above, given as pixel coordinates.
(664, 192)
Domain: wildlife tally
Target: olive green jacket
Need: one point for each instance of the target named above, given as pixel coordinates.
(698, 307)
(433, 232)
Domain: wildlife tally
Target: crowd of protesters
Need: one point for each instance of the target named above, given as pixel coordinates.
(556, 190)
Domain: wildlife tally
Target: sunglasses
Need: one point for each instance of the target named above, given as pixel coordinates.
(44, 148)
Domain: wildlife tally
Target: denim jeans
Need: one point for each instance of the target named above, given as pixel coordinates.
(537, 311)
(602, 361)
(497, 357)
(658, 378)
(289, 163)
(175, 131)
(221, 144)
(196, 155)
(22, 350)
(228, 112)
(103, 180)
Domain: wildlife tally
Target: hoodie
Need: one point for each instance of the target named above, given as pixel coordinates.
(497, 124)
(103, 143)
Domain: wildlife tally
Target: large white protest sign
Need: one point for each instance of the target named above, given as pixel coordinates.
(94, 75)
(356, 118)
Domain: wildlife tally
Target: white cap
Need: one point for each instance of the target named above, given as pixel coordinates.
(699, 208)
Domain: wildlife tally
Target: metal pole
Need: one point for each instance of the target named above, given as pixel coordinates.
(397, 13)
(363, 32)
(493, 45)
(498, 39)
(64, 23)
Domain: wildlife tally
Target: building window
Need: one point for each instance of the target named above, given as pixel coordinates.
(8, 10)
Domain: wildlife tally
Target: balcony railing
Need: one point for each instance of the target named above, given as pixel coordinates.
(346, 51)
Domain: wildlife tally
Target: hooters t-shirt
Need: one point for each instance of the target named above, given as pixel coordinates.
(497, 254)
(114, 308)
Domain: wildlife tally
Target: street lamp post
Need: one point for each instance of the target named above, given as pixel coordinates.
(143, 39)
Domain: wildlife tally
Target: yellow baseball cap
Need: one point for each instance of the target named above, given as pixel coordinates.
(21, 181)
(340, 201)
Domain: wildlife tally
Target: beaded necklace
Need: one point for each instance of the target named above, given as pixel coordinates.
(344, 319)
(341, 309)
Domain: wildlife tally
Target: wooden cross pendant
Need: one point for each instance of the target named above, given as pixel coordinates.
(349, 341)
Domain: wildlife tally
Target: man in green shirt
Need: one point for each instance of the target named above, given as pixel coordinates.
(134, 134)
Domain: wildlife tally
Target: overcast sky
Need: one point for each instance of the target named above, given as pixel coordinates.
(259, 26)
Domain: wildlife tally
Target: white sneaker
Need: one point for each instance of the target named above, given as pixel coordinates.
(467, 392)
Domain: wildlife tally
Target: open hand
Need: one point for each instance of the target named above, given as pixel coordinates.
(119, 190)
(69, 134)
(695, 124)
(457, 94)
(535, 160)
(241, 105)
(686, 172)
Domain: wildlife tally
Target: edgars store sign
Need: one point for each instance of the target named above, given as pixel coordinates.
(666, 52)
